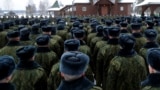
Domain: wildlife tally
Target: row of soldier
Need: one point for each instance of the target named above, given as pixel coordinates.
(103, 41)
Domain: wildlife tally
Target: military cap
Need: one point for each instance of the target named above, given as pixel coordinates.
(13, 34)
(1, 27)
(24, 21)
(73, 63)
(81, 26)
(78, 33)
(26, 52)
(20, 27)
(153, 58)
(99, 28)
(71, 44)
(24, 32)
(46, 29)
(117, 21)
(42, 40)
(124, 24)
(35, 27)
(7, 66)
(127, 41)
(105, 30)
(150, 34)
(6, 25)
(113, 31)
(60, 27)
(108, 22)
(76, 24)
(135, 26)
(150, 23)
(17, 21)
(62, 22)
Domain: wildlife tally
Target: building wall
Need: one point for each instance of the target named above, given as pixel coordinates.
(123, 9)
(85, 9)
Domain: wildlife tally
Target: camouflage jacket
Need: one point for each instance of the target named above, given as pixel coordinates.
(126, 71)
(46, 58)
(104, 57)
(29, 76)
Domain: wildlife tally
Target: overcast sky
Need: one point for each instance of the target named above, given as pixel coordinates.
(21, 4)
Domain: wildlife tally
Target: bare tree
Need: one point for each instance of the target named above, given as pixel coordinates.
(43, 6)
(30, 9)
(8, 4)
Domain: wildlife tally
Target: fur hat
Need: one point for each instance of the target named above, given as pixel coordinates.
(151, 34)
(7, 66)
(26, 52)
(124, 24)
(71, 44)
(135, 26)
(74, 63)
(13, 34)
(78, 33)
(127, 41)
(113, 31)
(42, 40)
(153, 58)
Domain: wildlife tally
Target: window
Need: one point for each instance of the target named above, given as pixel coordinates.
(121, 8)
(84, 8)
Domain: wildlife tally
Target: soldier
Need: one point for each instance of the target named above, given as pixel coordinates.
(92, 33)
(98, 37)
(136, 32)
(124, 27)
(12, 45)
(106, 54)
(3, 35)
(7, 66)
(54, 77)
(53, 43)
(29, 75)
(152, 82)
(125, 67)
(150, 35)
(34, 31)
(72, 67)
(24, 37)
(61, 31)
(44, 56)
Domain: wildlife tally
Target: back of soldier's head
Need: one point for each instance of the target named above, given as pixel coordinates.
(127, 41)
(7, 66)
(71, 45)
(150, 34)
(153, 58)
(74, 63)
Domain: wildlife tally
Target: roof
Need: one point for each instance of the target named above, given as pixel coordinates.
(81, 1)
(55, 5)
(126, 1)
(148, 2)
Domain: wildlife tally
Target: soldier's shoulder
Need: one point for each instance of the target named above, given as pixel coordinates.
(148, 88)
(96, 88)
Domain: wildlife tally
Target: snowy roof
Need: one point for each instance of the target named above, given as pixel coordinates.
(148, 2)
(54, 9)
(81, 1)
(126, 1)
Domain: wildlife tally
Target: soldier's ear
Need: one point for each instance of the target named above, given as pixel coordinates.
(62, 75)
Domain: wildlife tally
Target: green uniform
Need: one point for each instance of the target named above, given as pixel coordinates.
(104, 57)
(29, 76)
(10, 49)
(46, 58)
(140, 41)
(89, 37)
(126, 71)
(62, 33)
(3, 38)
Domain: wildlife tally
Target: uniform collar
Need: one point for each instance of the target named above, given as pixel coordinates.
(137, 35)
(152, 80)
(126, 53)
(7, 86)
(43, 49)
(151, 45)
(24, 64)
(13, 43)
(113, 41)
(80, 84)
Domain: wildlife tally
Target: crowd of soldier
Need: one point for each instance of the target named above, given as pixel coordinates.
(113, 51)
